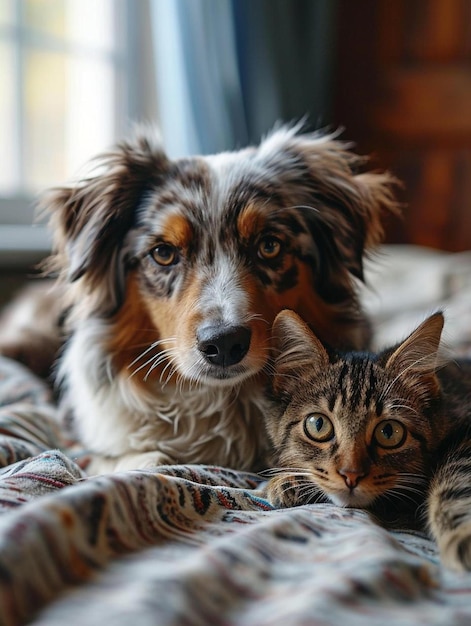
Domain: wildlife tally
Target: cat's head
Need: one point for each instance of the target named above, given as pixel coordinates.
(356, 426)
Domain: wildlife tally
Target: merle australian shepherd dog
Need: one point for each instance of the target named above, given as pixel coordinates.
(172, 272)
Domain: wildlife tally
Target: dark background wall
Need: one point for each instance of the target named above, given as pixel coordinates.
(403, 91)
(395, 74)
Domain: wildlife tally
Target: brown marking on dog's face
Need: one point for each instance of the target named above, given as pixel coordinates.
(133, 330)
(143, 321)
(300, 296)
(176, 322)
(177, 317)
(177, 231)
(230, 275)
(250, 221)
(310, 306)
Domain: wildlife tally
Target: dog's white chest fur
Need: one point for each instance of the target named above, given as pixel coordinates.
(125, 427)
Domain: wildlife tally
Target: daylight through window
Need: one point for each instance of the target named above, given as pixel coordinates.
(62, 64)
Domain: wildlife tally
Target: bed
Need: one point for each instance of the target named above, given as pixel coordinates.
(197, 545)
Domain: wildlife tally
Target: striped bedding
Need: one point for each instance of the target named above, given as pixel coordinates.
(195, 545)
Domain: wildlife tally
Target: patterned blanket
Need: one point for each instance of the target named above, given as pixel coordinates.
(196, 545)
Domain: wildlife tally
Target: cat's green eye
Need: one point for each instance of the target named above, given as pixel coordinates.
(389, 434)
(318, 427)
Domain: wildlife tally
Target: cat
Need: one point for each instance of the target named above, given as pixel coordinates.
(387, 432)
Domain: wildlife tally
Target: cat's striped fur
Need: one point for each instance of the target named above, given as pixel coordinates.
(388, 432)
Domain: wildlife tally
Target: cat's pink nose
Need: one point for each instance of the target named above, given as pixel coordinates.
(351, 477)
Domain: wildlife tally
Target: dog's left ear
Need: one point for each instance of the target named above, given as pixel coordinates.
(90, 220)
(342, 206)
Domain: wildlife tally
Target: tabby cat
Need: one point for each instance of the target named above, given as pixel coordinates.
(387, 432)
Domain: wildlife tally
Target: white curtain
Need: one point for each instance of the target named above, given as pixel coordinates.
(198, 86)
(228, 70)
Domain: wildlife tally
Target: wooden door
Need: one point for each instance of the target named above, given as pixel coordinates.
(403, 92)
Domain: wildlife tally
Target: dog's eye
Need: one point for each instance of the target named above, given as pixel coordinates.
(269, 248)
(164, 254)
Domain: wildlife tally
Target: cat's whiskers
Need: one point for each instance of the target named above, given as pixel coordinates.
(421, 510)
(305, 490)
(294, 486)
(412, 486)
(311, 493)
(298, 482)
(399, 494)
(399, 405)
(417, 476)
(274, 471)
(270, 369)
(407, 487)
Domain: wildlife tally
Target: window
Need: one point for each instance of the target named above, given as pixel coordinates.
(64, 92)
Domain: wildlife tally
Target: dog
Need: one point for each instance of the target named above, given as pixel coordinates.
(173, 272)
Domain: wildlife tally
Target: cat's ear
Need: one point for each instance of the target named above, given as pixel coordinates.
(297, 351)
(418, 354)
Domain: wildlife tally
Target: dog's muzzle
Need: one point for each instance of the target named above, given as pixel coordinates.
(223, 345)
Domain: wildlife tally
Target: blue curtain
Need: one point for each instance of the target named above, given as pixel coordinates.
(228, 70)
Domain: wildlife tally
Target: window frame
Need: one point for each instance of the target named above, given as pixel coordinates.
(16, 213)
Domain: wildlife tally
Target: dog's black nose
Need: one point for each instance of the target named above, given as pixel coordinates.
(224, 345)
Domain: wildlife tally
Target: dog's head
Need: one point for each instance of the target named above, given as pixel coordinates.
(190, 260)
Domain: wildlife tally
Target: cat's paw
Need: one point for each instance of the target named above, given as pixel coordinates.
(455, 549)
(273, 492)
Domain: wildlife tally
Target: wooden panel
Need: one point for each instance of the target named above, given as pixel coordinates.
(425, 101)
(423, 31)
(403, 92)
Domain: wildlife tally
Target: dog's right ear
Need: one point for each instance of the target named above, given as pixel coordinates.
(91, 219)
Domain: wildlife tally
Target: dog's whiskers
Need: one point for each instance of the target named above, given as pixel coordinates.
(154, 362)
(156, 344)
(194, 372)
(165, 355)
(173, 369)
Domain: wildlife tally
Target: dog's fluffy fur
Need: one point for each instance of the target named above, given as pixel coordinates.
(174, 271)
(30, 326)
